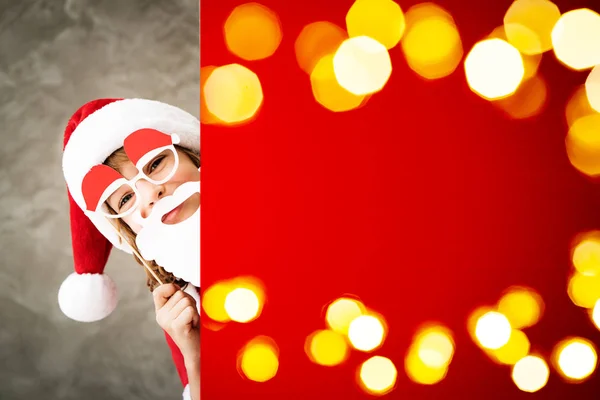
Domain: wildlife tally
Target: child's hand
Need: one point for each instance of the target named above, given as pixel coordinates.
(177, 314)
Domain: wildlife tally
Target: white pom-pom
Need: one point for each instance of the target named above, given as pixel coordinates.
(87, 297)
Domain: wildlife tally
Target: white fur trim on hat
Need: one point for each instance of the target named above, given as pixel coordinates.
(186, 393)
(87, 297)
(104, 131)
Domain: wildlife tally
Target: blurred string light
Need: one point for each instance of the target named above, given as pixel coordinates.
(530, 373)
(515, 349)
(528, 25)
(341, 312)
(240, 300)
(252, 32)
(431, 43)
(578, 106)
(584, 290)
(367, 332)
(258, 360)
(233, 93)
(592, 87)
(362, 65)
(523, 307)
(492, 330)
(328, 92)
(494, 69)
(528, 101)
(531, 62)
(377, 375)
(326, 347)
(206, 117)
(434, 346)
(315, 41)
(381, 20)
(595, 314)
(421, 373)
(586, 254)
(575, 359)
(583, 144)
(575, 39)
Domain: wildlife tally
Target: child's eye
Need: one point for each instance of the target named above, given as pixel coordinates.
(156, 163)
(124, 200)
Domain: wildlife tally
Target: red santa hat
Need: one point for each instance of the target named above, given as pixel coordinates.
(93, 133)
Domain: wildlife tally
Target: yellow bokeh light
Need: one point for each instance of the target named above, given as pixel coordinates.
(595, 314)
(474, 318)
(315, 42)
(575, 358)
(528, 101)
(494, 69)
(592, 88)
(233, 93)
(213, 301)
(583, 145)
(252, 31)
(242, 305)
(578, 106)
(326, 347)
(328, 92)
(531, 63)
(522, 306)
(530, 374)
(366, 332)
(493, 330)
(377, 375)
(419, 372)
(586, 254)
(584, 290)
(341, 312)
(382, 20)
(362, 65)
(575, 39)
(431, 44)
(528, 25)
(206, 117)
(517, 347)
(259, 359)
(434, 346)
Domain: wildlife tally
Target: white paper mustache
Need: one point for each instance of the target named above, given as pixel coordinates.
(168, 203)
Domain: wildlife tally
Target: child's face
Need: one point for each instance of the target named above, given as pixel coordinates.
(151, 193)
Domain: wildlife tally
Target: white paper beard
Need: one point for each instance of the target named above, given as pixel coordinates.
(175, 247)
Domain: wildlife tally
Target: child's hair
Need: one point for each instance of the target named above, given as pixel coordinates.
(115, 161)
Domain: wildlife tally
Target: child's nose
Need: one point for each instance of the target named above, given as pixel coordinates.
(150, 194)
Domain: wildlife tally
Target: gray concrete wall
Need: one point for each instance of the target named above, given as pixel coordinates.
(54, 56)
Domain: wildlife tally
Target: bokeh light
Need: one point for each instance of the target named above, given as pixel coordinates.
(595, 314)
(583, 145)
(328, 92)
(242, 305)
(528, 101)
(327, 348)
(530, 373)
(341, 312)
(233, 93)
(584, 290)
(592, 87)
(575, 39)
(528, 25)
(434, 346)
(494, 69)
(431, 44)
(206, 117)
(366, 332)
(493, 330)
(522, 306)
(362, 65)
(315, 41)
(252, 31)
(377, 375)
(531, 62)
(382, 20)
(474, 319)
(575, 358)
(517, 347)
(421, 373)
(213, 301)
(586, 254)
(578, 106)
(259, 359)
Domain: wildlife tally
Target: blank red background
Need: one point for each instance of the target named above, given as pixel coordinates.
(426, 203)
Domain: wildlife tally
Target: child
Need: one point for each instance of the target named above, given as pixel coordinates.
(132, 173)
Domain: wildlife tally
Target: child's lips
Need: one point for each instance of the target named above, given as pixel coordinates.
(170, 217)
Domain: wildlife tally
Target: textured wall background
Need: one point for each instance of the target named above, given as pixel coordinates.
(54, 56)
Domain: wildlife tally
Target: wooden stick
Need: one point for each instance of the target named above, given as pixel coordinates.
(136, 254)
